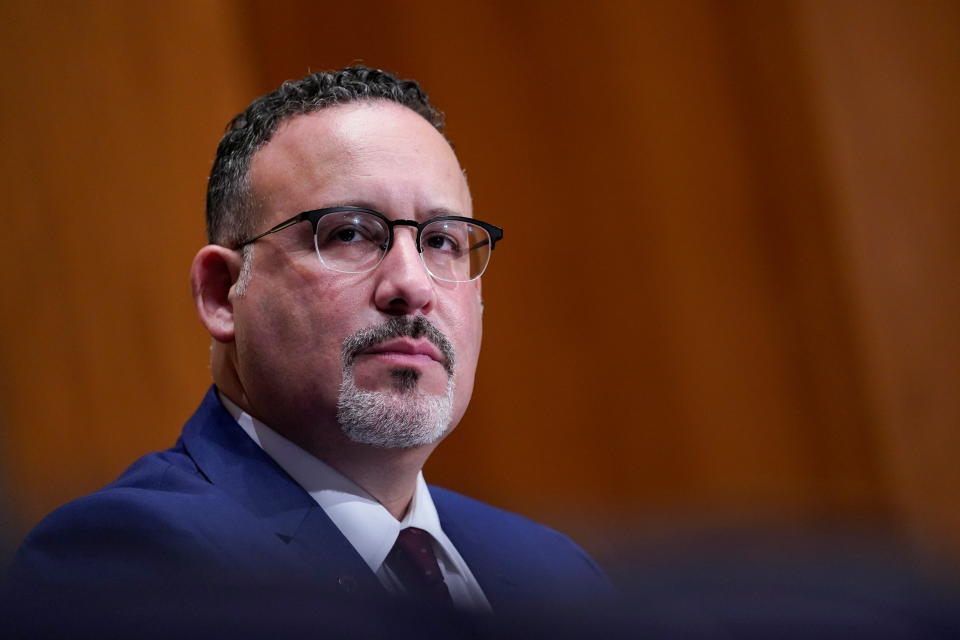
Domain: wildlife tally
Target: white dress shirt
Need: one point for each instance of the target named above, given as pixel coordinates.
(366, 523)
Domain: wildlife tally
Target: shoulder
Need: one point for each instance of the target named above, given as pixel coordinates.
(516, 543)
(463, 508)
(153, 490)
(143, 487)
(161, 513)
(456, 506)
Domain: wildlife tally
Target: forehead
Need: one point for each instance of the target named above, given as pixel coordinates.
(380, 154)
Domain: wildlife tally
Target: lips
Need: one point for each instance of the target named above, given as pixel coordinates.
(407, 340)
(406, 347)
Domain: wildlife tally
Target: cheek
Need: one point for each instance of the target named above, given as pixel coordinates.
(289, 319)
(273, 338)
(468, 338)
(469, 324)
(474, 323)
(293, 332)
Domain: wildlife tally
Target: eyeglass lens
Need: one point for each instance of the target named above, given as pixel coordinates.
(355, 242)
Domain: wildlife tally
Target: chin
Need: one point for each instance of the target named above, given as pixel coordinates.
(402, 418)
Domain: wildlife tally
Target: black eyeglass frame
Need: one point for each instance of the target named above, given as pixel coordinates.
(314, 216)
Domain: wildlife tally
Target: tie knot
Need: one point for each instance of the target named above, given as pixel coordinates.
(417, 545)
(415, 564)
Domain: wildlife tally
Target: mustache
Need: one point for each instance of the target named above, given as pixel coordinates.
(398, 327)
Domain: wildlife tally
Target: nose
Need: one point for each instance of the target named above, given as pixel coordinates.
(403, 285)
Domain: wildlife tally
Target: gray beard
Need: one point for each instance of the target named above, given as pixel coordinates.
(398, 419)
(404, 416)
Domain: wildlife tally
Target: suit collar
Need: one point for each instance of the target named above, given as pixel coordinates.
(233, 463)
(488, 565)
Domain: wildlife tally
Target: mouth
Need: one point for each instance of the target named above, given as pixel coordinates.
(406, 351)
(402, 340)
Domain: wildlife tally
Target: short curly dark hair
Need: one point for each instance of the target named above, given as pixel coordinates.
(228, 199)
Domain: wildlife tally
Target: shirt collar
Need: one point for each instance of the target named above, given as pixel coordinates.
(366, 523)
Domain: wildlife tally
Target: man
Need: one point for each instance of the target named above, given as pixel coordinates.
(341, 289)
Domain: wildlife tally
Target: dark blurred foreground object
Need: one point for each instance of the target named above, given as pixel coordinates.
(753, 585)
(774, 583)
(735, 586)
(236, 612)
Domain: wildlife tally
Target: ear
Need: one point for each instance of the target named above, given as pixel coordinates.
(214, 271)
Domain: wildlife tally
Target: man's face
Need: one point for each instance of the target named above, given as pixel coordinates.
(295, 314)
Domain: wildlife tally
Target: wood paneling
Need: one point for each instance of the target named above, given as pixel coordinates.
(887, 86)
(725, 289)
(110, 116)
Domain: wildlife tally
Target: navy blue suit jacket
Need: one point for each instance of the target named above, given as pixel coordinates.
(215, 508)
(214, 519)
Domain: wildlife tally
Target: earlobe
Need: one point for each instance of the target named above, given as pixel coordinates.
(214, 271)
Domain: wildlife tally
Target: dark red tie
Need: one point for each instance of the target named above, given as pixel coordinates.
(413, 561)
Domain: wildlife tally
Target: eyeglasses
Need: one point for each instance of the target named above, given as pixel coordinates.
(355, 240)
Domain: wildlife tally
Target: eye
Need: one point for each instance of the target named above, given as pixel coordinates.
(350, 230)
(348, 234)
(442, 242)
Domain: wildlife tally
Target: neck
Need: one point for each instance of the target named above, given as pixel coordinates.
(389, 475)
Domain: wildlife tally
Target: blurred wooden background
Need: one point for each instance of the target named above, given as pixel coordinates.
(729, 289)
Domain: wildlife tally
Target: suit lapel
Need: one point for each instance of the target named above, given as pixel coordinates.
(232, 462)
(488, 565)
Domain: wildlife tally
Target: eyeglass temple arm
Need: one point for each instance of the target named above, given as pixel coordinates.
(280, 227)
(496, 233)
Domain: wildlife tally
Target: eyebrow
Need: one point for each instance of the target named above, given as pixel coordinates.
(431, 213)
